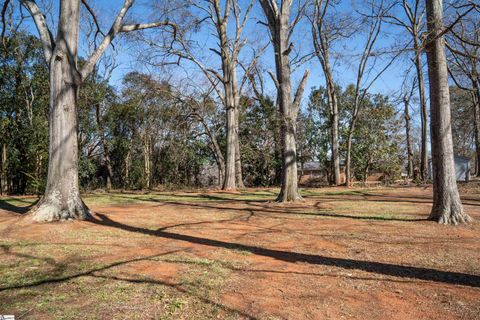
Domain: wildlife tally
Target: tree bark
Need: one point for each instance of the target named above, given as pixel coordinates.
(236, 103)
(62, 195)
(146, 160)
(128, 156)
(348, 161)
(447, 207)
(280, 30)
(106, 154)
(476, 119)
(408, 130)
(423, 109)
(4, 176)
(321, 41)
(229, 178)
(238, 159)
(335, 142)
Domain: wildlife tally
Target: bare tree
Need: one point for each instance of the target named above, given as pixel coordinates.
(414, 25)
(463, 43)
(366, 75)
(406, 99)
(200, 107)
(62, 200)
(325, 32)
(281, 24)
(228, 22)
(447, 207)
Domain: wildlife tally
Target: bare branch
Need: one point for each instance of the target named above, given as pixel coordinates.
(300, 89)
(116, 28)
(45, 35)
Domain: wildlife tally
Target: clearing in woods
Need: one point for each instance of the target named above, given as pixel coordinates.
(342, 253)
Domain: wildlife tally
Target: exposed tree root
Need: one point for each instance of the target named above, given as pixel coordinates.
(450, 215)
(50, 209)
(289, 198)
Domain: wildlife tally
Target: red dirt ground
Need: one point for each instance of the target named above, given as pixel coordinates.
(337, 255)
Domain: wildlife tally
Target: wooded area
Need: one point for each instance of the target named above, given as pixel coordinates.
(128, 137)
(240, 141)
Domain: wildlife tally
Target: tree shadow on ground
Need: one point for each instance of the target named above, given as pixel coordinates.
(5, 205)
(421, 273)
(96, 272)
(264, 207)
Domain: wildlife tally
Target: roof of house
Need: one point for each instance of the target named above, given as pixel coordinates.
(311, 165)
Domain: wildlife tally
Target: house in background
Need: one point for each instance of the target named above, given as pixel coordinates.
(313, 172)
(462, 168)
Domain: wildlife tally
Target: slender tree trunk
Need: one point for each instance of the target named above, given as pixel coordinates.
(4, 177)
(146, 160)
(128, 156)
(335, 144)
(348, 162)
(408, 130)
(62, 199)
(476, 119)
(447, 207)
(38, 169)
(423, 110)
(106, 154)
(322, 43)
(108, 167)
(238, 159)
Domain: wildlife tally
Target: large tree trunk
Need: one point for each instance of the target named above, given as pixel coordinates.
(62, 199)
(289, 188)
(236, 96)
(229, 178)
(447, 207)
(280, 28)
(335, 144)
(238, 164)
(238, 159)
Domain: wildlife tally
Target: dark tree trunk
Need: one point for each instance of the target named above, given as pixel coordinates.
(447, 207)
(106, 154)
(348, 161)
(4, 176)
(147, 152)
(476, 119)
(62, 195)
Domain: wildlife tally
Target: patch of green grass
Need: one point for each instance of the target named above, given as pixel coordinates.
(368, 210)
(129, 198)
(28, 263)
